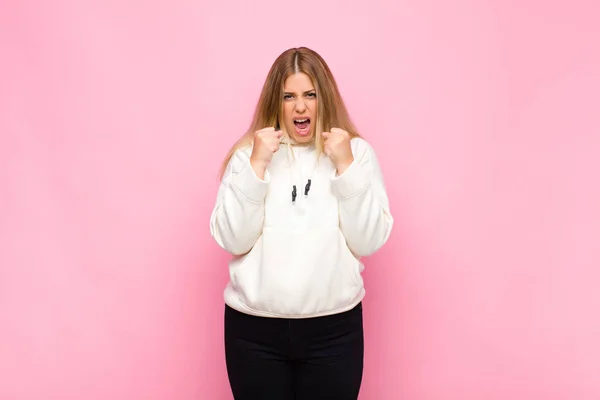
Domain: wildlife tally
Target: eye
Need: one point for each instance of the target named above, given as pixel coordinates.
(312, 95)
(287, 96)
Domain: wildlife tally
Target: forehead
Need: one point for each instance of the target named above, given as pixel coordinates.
(298, 82)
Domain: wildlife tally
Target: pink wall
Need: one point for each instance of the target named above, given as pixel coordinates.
(114, 118)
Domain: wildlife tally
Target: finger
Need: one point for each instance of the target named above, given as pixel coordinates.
(261, 133)
(339, 131)
(269, 132)
(274, 133)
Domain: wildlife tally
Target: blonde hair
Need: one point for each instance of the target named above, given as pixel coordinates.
(331, 110)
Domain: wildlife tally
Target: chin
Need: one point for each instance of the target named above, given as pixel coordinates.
(303, 139)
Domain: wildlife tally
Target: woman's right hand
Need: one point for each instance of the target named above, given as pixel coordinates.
(266, 142)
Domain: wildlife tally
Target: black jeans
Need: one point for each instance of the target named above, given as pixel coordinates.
(294, 359)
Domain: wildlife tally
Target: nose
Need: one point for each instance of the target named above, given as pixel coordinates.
(300, 106)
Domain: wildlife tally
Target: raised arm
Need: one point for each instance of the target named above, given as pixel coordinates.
(364, 210)
(237, 218)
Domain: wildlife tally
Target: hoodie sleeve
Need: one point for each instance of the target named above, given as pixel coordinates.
(237, 219)
(364, 211)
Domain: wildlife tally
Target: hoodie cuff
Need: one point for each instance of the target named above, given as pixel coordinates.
(352, 182)
(250, 186)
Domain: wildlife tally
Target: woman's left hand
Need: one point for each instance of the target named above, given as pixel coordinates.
(337, 147)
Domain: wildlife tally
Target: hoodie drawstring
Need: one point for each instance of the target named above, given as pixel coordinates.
(296, 174)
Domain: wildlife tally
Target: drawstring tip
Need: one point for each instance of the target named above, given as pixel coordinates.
(307, 188)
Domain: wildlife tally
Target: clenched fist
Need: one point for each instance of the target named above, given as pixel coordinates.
(337, 147)
(266, 142)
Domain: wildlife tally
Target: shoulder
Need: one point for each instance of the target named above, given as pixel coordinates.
(361, 148)
(244, 151)
(240, 159)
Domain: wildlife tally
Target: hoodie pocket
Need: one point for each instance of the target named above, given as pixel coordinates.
(298, 272)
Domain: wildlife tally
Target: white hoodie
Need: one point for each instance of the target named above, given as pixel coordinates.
(300, 259)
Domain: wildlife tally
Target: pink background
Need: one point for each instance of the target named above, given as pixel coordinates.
(114, 117)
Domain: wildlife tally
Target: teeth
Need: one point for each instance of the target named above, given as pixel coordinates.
(301, 120)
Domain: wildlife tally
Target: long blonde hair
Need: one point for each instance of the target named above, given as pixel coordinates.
(331, 110)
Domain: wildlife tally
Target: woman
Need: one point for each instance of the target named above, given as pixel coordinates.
(302, 199)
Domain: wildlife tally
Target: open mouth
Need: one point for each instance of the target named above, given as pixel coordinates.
(302, 126)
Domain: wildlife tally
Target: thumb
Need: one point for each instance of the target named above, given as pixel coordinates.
(325, 134)
(279, 134)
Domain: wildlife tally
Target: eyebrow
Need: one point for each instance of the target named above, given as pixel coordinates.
(307, 92)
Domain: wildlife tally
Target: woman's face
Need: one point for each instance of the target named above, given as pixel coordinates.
(299, 107)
